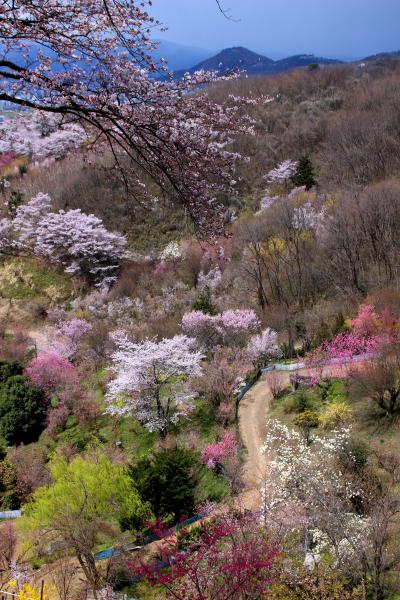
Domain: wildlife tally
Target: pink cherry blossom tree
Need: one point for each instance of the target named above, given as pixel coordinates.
(366, 322)
(204, 327)
(71, 332)
(101, 78)
(152, 380)
(73, 329)
(239, 320)
(217, 452)
(228, 327)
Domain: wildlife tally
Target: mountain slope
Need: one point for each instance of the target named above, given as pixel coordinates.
(383, 55)
(302, 60)
(239, 58)
(232, 59)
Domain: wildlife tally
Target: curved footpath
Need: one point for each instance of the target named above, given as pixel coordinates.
(253, 428)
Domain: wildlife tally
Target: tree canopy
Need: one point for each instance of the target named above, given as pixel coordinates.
(84, 505)
(91, 63)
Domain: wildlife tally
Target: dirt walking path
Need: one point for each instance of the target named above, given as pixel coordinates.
(253, 428)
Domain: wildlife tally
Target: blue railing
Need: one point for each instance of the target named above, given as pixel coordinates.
(10, 514)
(110, 552)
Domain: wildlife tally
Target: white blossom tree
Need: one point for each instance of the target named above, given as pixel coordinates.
(77, 241)
(152, 380)
(282, 173)
(313, 493)
(263, 347)
(81, 244)
(39, 136)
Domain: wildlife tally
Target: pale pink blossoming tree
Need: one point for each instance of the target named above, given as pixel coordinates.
(152, 380)
(90, 63)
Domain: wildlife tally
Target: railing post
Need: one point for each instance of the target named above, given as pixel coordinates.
(42, 590)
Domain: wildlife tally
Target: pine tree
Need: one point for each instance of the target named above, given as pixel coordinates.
(304, 175)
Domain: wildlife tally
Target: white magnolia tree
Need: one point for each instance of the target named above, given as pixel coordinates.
(152, 380)
(311, 492)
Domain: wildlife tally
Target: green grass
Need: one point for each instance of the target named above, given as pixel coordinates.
(369, 424)
(154, 230)
(204, 418)
(33, 279)
(211, 487)
(286, 361)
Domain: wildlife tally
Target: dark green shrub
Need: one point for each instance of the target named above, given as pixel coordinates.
(8, 480)
(354, 456)
(22, 411)
(167, 481)
(204, 304)
(3, 449)
(304, 175)
(298, 402)
(9, 369)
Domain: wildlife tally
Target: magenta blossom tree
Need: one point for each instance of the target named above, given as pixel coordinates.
(91, 64)
(50, 373)
(344, 348)
(366, 322)
(60, 382)
(152, 380)
(217, 452)
(231, 558)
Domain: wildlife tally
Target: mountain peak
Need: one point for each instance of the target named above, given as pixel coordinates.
(243, 59)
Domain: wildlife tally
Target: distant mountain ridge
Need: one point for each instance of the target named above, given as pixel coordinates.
(383, 55)
(239, 58)
(254, 64)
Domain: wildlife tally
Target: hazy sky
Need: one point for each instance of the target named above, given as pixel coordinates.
(277, 28)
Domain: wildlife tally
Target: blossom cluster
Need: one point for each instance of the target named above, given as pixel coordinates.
(346, 346)
(152, 379)
(306, 217)
(208, 282)
(215, 329)
(262, 347)
(39, 136)
(306, 476)
(217, 452)
(78, 241)
(282, 173)
(366, 322)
